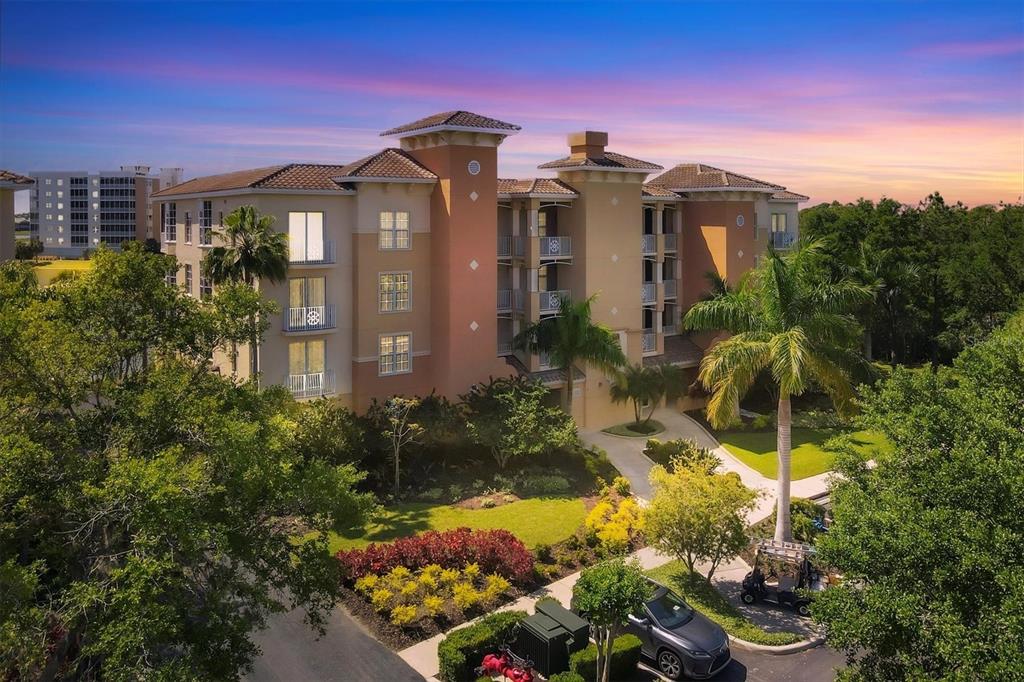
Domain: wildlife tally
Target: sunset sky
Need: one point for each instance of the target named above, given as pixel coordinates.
(834, 100)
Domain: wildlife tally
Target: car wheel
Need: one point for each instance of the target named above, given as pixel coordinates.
(670, 665)
(747, 598)
(803, 609)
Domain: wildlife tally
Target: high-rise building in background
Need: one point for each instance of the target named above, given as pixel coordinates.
(413, 269)
(71, 211)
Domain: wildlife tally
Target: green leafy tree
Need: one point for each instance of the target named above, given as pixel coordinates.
(697, 515)
(788, 320)
(890, 280)
(570, 338)
(930, 540)
(510, 418)
(141, 496)
(252, 252)
(327, 429)
(400, 431)
(27, 249)
(608, 593)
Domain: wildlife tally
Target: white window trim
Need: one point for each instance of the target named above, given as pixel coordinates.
(394, 232)
(398, 372)
(407, 309)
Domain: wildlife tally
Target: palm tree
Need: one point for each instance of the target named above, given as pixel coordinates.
(889, 278)
(641, 386)
(571, 337)
(786, 318)
(252, 252)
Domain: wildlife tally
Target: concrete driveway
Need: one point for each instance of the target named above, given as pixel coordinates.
(346, 652)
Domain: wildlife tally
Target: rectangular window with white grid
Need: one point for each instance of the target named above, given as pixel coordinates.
(394, 230)
(395, 355)
(206, 223)
(170, 222)
(393, 288)
(205, 288)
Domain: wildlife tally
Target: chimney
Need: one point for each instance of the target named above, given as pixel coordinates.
(588, 144)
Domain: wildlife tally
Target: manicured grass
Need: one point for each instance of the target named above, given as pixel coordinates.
(634, 430)
(757, 449)
(535, 521)
(47, 272)
(705, 598)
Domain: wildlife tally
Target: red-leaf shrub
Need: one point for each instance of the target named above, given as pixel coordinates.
(496, 551)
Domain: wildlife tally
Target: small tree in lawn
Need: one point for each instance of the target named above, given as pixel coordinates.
(400, 431)
(608, 593)
(696, 515)
(509, 417)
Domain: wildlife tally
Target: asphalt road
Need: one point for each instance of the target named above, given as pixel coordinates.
(814, 665)
(347, 652)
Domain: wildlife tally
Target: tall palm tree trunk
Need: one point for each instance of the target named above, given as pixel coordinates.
(783, 527)
(567, 391)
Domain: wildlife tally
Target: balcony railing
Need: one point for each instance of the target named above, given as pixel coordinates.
(504, 347)
(670, 288)
(783, 240)
(504, 246)
(555, 247)
(313, 254)
(648, 341)
(649, 244)
(550, 301)
(649, 293)
(309, 318)
(670, 329)
(671, 241)
(545, 361)
(311, 385)
(504, 299)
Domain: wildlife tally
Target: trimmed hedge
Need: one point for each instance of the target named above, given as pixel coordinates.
(567, 676)
(460, 652)
(625, 659)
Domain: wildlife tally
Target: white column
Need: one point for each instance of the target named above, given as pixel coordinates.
(534, 221)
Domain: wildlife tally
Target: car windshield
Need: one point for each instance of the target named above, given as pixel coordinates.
(670, 610)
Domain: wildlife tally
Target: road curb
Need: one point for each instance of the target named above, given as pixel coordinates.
(783, 650)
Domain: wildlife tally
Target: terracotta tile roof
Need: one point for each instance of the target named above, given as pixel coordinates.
(455, 120)
(11, 178)
(679, 350)
(789, 196)
(532, 186)
(302, 176)
(697, 176)
(224, 181)
(659, 192)
(387, 163)
(610, 161)
(548, 377)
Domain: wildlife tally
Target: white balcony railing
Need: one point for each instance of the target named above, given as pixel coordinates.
(309, 318)
(313, 254)
(311, 385)
(504, 246)
(670, 288)
(649, 244)
(648, 341)
(671, 241)
(555, 247)
(504, 299)
(649, 293)
(550, 301)
(504, 347)
(783, 240)
(545, 361)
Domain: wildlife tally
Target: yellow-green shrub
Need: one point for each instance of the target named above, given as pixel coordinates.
(403, 615)
(494, 587)
(433, 605)
(409, 589)
(381, 599)
(367, 584)
(449, 576)
(471, 571)
(465, 595)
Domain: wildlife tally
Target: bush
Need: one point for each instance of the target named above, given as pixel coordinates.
(621, 485)
(681, 452)
(763, 422)
(403, 615)
(461, 651)
(543, 484)
(625, 658)
(614, 526)
(495, 551)
(567, 676)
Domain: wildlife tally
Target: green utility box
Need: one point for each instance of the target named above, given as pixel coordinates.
(550, 636)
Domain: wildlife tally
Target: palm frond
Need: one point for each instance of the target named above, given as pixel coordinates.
(789, 351)
(728, 371)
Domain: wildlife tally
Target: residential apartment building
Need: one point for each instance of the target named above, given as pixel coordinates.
(71, 211)
(10, 183)
(412, 269)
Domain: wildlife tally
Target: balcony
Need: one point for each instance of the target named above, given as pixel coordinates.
(544, 361)
(310, 318)
(550, 301)
(555, 247)
(504, 347)
(311, 385)
(313, 254)
(670, 329)
(648, 341)
(509, 300)
(649, 244)
(671, 242)
(670, 288)
(649, 293)
(504, 246)
(783, 240)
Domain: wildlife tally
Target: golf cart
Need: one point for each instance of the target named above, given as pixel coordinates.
(780, 569)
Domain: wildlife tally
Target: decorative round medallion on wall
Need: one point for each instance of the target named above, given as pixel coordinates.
(740, 220)
(473, 167)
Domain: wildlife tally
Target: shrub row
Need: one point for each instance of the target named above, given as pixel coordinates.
(567, 676)
(625, 659)
(494, 551)
(460, 652)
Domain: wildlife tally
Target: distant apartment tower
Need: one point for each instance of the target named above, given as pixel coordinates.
(413, 269)
(71, 211)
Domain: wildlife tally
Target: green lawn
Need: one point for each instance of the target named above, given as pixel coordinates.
(47, 272)
(535, 521)
(757, 449)
(709, 601)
